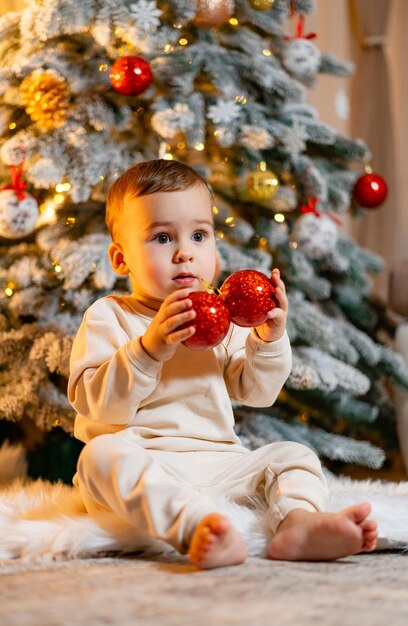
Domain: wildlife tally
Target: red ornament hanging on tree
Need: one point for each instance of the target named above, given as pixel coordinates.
(130, 75)
(212, 321)
(370, 190)
(249, 296)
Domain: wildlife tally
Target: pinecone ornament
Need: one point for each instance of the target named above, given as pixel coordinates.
(45, 97)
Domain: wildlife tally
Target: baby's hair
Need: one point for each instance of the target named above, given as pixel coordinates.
(145, 178)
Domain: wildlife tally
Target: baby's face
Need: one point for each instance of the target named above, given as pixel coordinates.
(167, 241)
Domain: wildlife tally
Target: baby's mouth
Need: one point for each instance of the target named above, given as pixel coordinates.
(184, 279)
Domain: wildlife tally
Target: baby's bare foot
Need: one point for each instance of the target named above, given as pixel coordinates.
(216, 543)
(306, 536)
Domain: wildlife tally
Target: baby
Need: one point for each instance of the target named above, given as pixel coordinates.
(161, 452)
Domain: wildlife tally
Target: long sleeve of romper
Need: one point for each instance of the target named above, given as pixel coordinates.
(256, 373)
(110, 372)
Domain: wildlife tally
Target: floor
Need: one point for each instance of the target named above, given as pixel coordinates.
(363, 590)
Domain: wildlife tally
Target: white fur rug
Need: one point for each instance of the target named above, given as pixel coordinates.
(41, 521)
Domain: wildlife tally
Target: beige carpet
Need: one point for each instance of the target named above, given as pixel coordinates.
(363, 590)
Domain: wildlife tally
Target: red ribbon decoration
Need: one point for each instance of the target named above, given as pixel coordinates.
(300, 34)
(299, 27)
(17, 184)
(310, 207)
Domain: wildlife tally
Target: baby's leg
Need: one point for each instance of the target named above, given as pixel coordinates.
(116, 475)
(296, 492)
(306, 536)
(217, 543)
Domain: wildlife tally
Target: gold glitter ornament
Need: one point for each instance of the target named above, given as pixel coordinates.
(212, 13)
(261, 5)
(263, 184)
(45, 97)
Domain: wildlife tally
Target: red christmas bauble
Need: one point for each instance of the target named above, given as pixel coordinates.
(370, 190)
(212, 321)
(249, 295)
(130, 75)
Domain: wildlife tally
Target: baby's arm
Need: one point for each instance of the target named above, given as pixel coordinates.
(256, 372)
(112, 372)
(259, 363)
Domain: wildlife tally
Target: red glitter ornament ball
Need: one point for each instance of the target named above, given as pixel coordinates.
(249, 295)
(130, 75)
(370, 190)
(212, 321)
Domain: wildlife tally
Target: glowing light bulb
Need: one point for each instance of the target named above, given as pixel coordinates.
(59, 198)
(9, 290)
(279, 217)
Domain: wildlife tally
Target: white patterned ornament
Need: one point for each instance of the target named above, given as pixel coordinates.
(302, 57)
(18, 216)
(316, 236)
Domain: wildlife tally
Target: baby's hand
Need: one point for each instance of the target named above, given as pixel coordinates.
(274, 327)
(162, 337)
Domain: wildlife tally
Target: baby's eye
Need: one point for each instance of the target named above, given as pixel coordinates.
(161, 238)
(200, 235)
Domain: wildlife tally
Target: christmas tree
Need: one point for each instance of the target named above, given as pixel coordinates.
(89, 88)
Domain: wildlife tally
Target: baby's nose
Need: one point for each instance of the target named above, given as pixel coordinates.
(183, 254)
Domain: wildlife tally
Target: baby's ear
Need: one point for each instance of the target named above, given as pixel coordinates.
(117, 259)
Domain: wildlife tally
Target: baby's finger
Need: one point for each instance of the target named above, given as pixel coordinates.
(174, 308)
(277, 316)
(179, 294)
(181, 335)
(281, 298)
(277, 281)
(172, 323)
